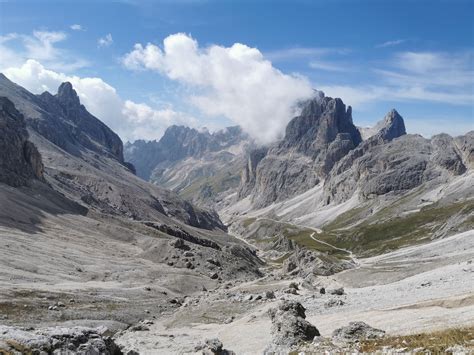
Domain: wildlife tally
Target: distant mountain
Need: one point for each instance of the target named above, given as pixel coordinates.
(201, 166)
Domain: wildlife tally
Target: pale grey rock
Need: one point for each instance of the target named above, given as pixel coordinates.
(289, 327)
(213, 347)
(356, 331)
(58, 340)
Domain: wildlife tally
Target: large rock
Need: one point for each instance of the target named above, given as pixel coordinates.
(20, 161)
(213, 347)
(289, 327)
(356, 331)
(57, 340)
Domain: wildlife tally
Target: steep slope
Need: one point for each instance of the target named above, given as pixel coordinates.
(367, 196)
(86, 228)
(313, 143)
(84, 160)
(20, 161)
(201, 166)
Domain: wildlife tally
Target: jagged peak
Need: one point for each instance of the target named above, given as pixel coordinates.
(67, 94)
(392, 126)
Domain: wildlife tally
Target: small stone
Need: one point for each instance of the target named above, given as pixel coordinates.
(269, 295)
(337, 291)
(322, 290)
(293, 285)
(214, 276)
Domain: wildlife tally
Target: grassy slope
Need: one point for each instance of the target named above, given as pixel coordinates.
(380, 233)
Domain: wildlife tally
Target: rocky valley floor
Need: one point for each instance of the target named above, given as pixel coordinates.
(172, 311)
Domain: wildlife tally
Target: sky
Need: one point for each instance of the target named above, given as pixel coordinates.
(141, 66)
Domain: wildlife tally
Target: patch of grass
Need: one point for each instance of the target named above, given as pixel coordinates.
(18, 347)
(372, 238)
(247, 222)
(217, 183)
(347, 218)
(435, 342)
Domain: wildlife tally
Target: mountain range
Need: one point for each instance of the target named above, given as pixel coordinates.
(205, 231)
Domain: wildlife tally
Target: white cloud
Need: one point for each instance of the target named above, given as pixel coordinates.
(105, 41)
(393, 43)
(129, 119)
(236, 82)
(40, 46)
(148, 122)
(76, 27)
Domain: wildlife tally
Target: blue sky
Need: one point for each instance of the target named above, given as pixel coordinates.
(415, 56)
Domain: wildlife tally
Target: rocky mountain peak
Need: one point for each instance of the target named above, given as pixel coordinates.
(67, 95)
(390, 127)
(321, 120)
(393, 125)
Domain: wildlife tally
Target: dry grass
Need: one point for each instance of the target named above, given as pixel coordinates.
(435, 342)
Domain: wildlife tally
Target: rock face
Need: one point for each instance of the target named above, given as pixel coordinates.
(85, 160)
(383, 164)
(63, 120)
(356, 331)
(201, 166)
(289, 327)
(314, 141)
(20, 161)
(58, 340)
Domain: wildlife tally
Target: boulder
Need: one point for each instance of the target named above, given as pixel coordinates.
(289, 327)
(356, 331)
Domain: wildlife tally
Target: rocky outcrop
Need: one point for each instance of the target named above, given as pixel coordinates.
(386, 164)
(57, 340)
(356, 331)
(213, 347)
(289, 327)
(465, 144)
(314, 141)
(304, 262)
(249, 173)
(20, 161)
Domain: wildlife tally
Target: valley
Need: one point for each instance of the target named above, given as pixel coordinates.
(202, 242)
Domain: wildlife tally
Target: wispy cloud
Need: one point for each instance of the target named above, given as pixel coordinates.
(105, 41)
(328, 66)
(76, 27)
(393, 43)
(302, 53)
(40, 45)
(416, 76)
